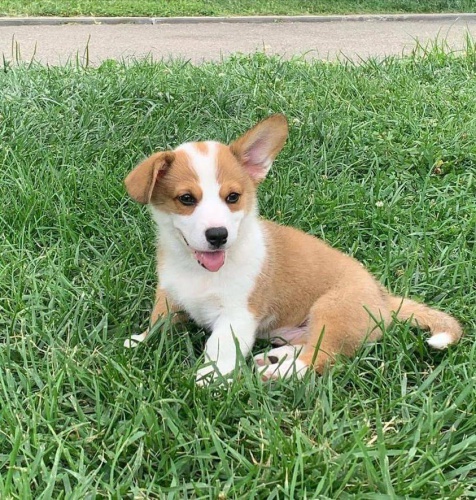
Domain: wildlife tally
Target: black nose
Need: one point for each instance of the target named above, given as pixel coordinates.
(216, 236)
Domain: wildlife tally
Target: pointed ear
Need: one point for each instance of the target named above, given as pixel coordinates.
(257, 148)
(141, 181)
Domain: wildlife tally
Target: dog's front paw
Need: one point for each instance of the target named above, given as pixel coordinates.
(135, 340)
(205, 375)
(211, 372)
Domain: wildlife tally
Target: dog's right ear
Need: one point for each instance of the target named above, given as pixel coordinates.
(141, 181)
(257, 148)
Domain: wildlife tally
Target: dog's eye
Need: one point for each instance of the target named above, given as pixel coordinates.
(187, 199)
(232, 198)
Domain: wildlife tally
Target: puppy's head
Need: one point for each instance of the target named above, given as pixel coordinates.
(206, 189)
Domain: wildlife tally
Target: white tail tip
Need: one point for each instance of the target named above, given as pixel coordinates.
(440, 340)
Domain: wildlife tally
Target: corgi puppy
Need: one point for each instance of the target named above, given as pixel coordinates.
(242, 277)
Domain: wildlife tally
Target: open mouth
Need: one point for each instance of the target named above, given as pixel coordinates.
(211, 261)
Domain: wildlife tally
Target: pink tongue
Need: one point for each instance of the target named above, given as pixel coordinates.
(212, 261)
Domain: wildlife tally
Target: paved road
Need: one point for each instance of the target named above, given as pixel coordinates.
(211, 41)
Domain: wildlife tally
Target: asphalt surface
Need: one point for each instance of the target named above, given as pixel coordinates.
(198, 42)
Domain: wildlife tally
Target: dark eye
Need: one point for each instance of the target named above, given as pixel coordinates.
(232, 198)
(187, 199)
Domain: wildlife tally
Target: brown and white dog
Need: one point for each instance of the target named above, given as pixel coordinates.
(242, 277)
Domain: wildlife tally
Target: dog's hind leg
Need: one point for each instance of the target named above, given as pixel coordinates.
(341, 320)
(280, 362)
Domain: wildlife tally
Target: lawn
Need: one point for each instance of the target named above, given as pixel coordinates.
(225, 7)
(380, 163)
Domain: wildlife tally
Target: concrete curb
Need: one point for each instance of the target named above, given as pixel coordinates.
(52, 21)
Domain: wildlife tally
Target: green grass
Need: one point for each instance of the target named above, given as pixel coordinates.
(225, 7)
(380, 162)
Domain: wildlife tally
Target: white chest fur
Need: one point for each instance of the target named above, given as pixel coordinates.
(208, 296)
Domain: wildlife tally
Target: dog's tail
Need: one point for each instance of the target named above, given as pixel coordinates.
(445, 329)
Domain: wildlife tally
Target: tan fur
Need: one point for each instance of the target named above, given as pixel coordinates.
(318, 282)
(143, 186)
(180, 179)
(233, 178)
(344, 303)
(141, 182)
(162, 306)
(303, 278)
(425, 317)
(263, 142)
(202, 147)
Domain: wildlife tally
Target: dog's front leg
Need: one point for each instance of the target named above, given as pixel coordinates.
(162, 307)
(229, 334)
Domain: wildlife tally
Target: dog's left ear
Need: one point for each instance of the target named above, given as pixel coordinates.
(257, 148)
(141, 181)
